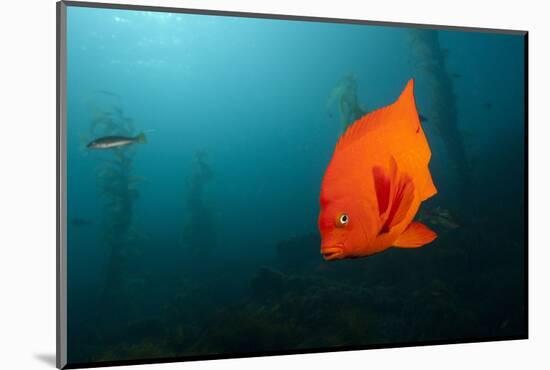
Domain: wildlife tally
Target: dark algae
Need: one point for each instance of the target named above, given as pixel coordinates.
(205, 241)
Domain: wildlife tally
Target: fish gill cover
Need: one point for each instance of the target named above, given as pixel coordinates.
(203, 239)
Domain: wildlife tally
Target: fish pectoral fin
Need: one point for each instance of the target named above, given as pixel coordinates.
(402, 200)
(382, 185)
(415, 235)
(141, 139)
(395, 194)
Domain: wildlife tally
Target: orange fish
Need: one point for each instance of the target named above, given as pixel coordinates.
(375, 182)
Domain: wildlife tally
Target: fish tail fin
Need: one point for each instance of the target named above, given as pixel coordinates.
(415, 235)
(406, 101)
(429, 189)
(410, 123)
(141, 139)
(84, 144)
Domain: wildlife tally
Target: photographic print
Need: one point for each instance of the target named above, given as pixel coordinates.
(241, 185)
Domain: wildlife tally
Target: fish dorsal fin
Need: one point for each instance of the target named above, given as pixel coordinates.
(360, 127)
(406, 104)
(395, 194)
(403, 109)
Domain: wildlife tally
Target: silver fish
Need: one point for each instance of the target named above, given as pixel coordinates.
(109, 142)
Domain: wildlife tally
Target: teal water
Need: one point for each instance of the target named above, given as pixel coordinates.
(204, 240)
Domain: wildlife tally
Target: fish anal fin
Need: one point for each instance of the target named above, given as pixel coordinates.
(415, 235)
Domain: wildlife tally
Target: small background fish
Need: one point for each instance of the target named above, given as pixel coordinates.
(110, 142)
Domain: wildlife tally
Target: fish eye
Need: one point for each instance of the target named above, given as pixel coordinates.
(343, 219)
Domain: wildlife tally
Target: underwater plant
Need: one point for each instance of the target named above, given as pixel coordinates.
(117, 184)
(436, 215)
(199, 234)
(344, 95)
(430, 60)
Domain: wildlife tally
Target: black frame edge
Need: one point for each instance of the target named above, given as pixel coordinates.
(229, 356)
(526, 178)
(241, 14)
(61, 252)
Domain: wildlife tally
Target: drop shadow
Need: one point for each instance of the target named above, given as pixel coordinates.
(47, 358)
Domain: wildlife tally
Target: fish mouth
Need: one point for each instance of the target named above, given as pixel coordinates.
(332, 252)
